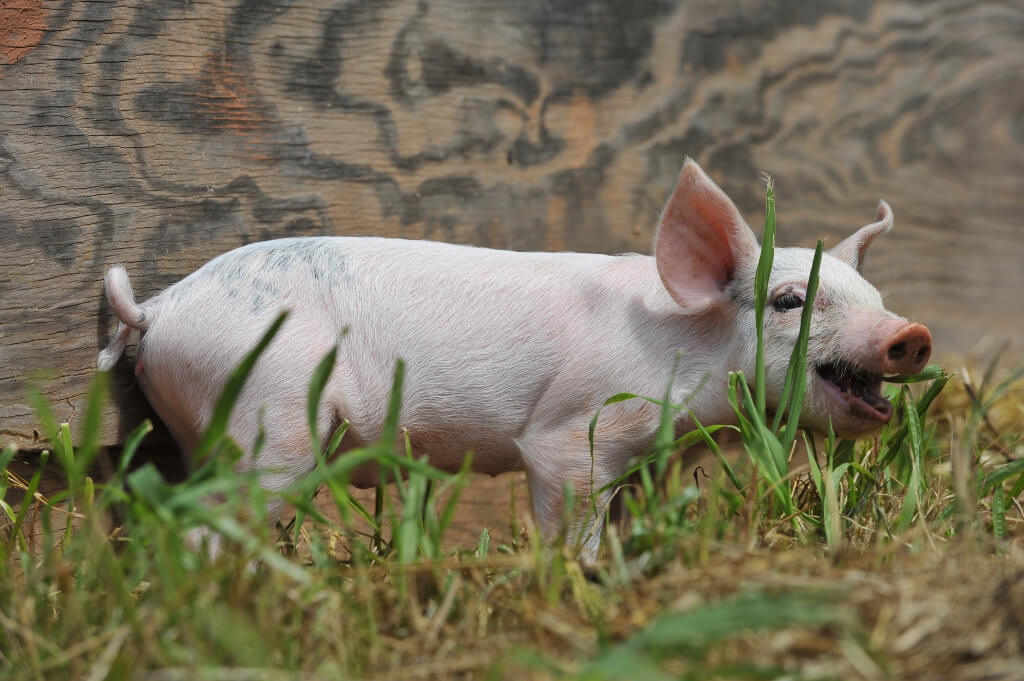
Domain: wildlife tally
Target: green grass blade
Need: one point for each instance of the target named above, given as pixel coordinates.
(339, 469)
(456, 485)
(999, 512)
(666, 425)
(342, 467)
(764, 449)
(66, 455)
(64, 448)
(683, 442)
(1017, 488)
(1001, 389)
(674, 634)
(307, 508)
(764, 443)
(410, 525)
(761, 278)
(796, 375)
(998, 475)
(26, 502)
(90, 436)
(622, 397)
(321, 374)
(6, 456)
(625, 663)
(705, 434)
(592, 428)
(336, 438)
(912, 499)
(131, 446)
(896, 441)
(746, 612)
(483, 545)
(231, 528)
(47, 420)
(394, 405)
(743, 423)
(929, 373)
(812, 461)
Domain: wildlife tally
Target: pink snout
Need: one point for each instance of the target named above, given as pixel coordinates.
(907, 351)
(896, 346)
(886, 344)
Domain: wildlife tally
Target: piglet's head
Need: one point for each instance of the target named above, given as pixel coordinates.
(707, 257)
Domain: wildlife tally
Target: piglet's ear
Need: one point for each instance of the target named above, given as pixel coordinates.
(702, 240)
(853, 248)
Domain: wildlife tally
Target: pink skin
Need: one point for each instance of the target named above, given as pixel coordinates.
(511, 354)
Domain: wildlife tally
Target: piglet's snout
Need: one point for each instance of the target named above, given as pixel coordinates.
(910, 348)
(885, 344)
(905, 350)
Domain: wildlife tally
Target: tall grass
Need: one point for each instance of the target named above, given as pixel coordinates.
(96, 581)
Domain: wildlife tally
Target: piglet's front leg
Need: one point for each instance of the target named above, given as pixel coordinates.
(558, 463)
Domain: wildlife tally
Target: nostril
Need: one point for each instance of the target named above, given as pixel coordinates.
(898, 351)
(922, 354)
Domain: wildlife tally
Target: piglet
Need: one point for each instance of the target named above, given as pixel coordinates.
(510, 354)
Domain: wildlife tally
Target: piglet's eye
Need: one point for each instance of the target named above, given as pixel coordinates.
(788, 301)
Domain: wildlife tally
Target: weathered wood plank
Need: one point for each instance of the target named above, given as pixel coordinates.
(161, 133)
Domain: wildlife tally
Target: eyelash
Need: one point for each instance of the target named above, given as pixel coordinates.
(788, 301)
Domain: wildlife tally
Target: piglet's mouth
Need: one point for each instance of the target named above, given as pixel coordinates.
(859, 389)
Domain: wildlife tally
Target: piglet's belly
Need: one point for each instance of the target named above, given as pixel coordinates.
(492, 453)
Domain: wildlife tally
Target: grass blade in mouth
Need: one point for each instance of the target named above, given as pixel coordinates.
(929, 373)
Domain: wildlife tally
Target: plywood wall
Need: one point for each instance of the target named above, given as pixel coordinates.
(158, 134)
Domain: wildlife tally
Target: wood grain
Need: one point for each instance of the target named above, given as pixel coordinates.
(161, 133)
